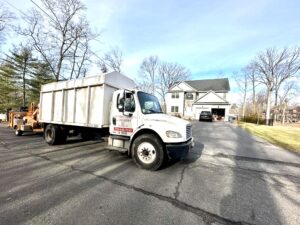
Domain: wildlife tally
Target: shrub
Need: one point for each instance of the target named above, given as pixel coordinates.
(253, 119)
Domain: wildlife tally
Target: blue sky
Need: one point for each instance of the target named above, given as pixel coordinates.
(211, 38)
(208, 37)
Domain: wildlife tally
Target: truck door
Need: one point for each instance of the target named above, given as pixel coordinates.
(124, 120)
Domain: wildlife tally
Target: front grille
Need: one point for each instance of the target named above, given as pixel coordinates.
(188, 131)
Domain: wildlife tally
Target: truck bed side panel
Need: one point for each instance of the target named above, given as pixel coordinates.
(81, 105)
(69, 105)
(96, 105)
(46, 106)
(57, 106)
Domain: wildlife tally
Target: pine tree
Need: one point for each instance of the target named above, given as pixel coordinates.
(22, 62)
(21, 77)
(9, 93)
(41, 75)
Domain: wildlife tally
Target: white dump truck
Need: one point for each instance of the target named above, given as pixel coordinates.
(109, 104)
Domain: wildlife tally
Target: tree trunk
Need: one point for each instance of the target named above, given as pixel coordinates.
(153, 88)
(24, 80)
(276, 104)
(268, 111)
(276, 97)
(253, 97)
(244, 105)
(283, 113)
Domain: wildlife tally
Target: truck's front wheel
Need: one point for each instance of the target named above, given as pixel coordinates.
(148, 152)
(51, 134)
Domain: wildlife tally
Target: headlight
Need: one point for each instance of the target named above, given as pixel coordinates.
(173, 134)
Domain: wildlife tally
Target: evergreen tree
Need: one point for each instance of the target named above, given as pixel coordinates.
(41, 75)
(23, 62)
(9, 93)
(21, 77)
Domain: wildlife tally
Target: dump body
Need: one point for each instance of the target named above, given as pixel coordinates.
(82, 102)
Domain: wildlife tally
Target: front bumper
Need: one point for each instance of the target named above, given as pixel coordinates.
(179, 150)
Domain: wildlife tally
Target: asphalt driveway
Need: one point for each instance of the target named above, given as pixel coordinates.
(229, 177)
(228, 139)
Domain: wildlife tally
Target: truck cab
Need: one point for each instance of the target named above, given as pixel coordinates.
(139, 127)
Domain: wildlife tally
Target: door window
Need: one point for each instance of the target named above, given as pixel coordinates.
(129, 103)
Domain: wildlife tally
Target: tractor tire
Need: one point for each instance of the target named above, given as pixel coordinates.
(18, 132)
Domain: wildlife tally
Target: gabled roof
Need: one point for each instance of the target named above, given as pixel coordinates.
(211, 98)
(215, 85)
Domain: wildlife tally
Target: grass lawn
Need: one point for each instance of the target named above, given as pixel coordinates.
(286, 137)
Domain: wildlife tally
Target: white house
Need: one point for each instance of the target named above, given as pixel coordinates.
(189, 98)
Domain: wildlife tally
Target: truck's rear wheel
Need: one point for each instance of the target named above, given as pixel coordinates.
(18, 132)
(148, 152)
(51, 134)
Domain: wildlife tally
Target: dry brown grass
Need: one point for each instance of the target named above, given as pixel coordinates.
(285, 136)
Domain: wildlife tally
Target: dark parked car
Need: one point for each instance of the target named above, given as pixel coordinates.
(206, 115)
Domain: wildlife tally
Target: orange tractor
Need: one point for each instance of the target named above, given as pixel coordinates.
(25, 120)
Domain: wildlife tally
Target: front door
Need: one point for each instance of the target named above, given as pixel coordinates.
(124, 120)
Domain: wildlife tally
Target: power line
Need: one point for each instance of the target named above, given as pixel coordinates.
(43, 11)
(15, 7)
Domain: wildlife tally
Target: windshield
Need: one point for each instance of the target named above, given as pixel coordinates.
(149, 103)
(205, 113)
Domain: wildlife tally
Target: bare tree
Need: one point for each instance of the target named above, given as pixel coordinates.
(81, 53)
(261, 99)
(252, 77)
(274, 66)
(242, 81)
(60, 33)
(170, 74)
(289, 69)
(289, 91)
(112, 60)
(149, 72)
(143, 86)
(5, 18)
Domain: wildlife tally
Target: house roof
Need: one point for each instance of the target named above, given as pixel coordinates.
(221, 84)
(216, 100)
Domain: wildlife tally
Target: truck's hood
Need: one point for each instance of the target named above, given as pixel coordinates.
(161, 123)
(164, 118)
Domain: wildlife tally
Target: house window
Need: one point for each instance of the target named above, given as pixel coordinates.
(189, 96)
(174, 108)
(175, 95)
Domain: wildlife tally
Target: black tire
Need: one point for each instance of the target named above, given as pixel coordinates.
(18, 132)
(148, 152)
(51, 134)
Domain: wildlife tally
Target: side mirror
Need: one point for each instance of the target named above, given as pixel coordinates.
(120, 105)
(121, 108)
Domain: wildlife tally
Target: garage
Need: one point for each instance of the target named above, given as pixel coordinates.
(218, 113)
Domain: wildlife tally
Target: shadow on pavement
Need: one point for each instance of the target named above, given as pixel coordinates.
(250, 199)
(193, 155)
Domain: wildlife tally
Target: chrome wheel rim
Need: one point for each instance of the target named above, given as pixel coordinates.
(146, 153)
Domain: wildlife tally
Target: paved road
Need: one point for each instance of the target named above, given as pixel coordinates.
(229, 177)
